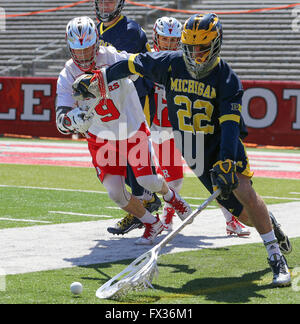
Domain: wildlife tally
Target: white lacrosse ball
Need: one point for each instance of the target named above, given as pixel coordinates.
(76, 288)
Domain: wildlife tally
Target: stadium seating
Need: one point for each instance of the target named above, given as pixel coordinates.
(261, 45)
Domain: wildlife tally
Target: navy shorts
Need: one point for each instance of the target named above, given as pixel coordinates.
(211, 156)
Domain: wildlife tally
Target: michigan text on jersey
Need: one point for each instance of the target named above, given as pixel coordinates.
(193, 87)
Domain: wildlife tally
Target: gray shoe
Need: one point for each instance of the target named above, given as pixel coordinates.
(281, 273)
(125, 225)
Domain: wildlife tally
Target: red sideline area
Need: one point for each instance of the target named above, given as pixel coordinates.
(264, 164)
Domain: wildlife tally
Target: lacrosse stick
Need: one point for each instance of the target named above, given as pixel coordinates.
(139, 274)
(91, 86)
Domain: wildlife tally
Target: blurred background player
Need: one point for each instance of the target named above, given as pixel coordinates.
(103, 125)
(127, 35)
(166, 37)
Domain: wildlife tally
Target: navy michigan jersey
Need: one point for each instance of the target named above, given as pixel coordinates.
(127, 35)
(211, 105)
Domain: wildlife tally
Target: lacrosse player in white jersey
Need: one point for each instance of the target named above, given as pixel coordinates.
(113, 123)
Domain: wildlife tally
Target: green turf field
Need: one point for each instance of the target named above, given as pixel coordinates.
(236, 274)
(37, 192)
(33, 195)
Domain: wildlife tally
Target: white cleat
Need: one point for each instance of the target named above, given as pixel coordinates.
(181, 207)
(167, 217)
(281, 273)
(150, 233)
(234, 227)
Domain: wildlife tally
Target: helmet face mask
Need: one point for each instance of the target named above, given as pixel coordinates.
(107, 10)
(166, 34)
(165, 43)
(201, 44)
(84, 58)
(83, 42)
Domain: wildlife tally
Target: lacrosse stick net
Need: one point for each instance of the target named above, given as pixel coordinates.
(139, 274)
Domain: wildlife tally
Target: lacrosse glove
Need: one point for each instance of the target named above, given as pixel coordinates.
(90, 86)
(75, 121)
(60, 115)
(223, 176)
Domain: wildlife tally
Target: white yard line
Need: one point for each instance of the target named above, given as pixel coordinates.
(77, 214)
(104, 192)
(24, 220)
(57, 246)
(54, 189)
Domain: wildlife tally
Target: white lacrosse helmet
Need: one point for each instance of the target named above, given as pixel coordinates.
(83, 42)
(166, 34)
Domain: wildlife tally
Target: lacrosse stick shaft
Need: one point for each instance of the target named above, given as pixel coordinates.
(149, 260)
(170, 236)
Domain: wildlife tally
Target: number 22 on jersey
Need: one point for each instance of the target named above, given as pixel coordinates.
(200, 121)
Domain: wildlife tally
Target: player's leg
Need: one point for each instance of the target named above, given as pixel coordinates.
(258, 213)
(147, 177)
(170, 165)
(168, 213)
(115, 186)
(233, 226)
(283, 240)
(113, 178)
(150, 201)
(248, 205)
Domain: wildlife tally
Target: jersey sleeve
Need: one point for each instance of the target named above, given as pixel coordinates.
(230, 103)
(64, 89)
(153, 66)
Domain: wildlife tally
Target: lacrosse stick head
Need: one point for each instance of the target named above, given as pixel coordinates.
(136, 277)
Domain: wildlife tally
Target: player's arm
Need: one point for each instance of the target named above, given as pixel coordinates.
(68, 119)
(230, 104)
(153, 66)
(230, 126)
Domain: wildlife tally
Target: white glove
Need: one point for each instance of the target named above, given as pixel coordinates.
(76, 121)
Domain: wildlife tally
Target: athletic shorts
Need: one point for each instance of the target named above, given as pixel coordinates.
(169, 160)
(211, 156)
(112, 157)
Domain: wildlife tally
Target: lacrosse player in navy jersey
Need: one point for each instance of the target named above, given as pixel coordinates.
(166, 37)
(127, 35)
(204, 97)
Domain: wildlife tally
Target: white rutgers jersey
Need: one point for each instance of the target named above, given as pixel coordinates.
(161, 128)
(116, 118)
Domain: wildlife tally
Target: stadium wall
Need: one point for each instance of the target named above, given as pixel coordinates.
(271, 109)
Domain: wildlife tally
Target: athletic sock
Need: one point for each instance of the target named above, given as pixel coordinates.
(148, 218)
(271, 243)
(169, 195)
(148, 195)
(227, 214)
